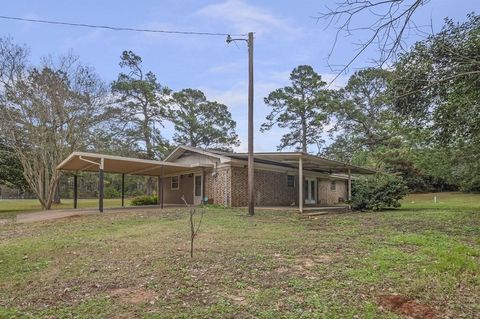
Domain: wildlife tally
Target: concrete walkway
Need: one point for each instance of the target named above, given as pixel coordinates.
(46, 215)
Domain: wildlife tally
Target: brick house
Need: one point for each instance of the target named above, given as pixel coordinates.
(221, 178)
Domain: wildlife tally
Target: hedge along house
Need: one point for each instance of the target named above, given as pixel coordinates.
(198, 175)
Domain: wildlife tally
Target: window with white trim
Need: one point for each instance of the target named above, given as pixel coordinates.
(333, 186)
(290, 181)
(174, 182)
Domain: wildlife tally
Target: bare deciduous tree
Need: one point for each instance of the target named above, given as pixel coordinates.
(389, 22)
(46, 113)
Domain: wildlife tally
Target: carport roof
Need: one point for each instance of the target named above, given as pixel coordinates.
(310, 162)
(90, 162)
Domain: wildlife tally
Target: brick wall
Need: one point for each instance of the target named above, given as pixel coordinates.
(230, 187)
(271, 188)
(208, 184)
(218, 187)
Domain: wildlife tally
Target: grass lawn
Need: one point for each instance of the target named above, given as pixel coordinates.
(445, 201)
(11, 207)
(422, 260)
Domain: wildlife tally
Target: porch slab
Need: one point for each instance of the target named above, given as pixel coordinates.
(306, 209)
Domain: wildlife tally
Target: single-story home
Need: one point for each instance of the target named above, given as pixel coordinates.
(216, 177)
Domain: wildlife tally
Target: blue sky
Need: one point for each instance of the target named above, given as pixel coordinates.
(286, 35)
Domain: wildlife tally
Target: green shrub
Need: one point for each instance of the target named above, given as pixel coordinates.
(377, 192)
(136, 192)
(144, 200)
(111, 192)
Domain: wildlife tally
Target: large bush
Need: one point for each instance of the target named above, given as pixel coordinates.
(377, 192)
(144, 200)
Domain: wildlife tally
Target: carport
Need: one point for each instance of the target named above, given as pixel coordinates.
(101, 163)
(306, 162)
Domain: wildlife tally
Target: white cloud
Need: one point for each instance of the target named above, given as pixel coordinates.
(263, 142)
(236, 96)
(245, 17)
(233, 97)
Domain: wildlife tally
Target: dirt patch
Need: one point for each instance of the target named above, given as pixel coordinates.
(282, 270)
(406, 306)
(238, 300)
(310, 262)
(302, 263)
(134, 296)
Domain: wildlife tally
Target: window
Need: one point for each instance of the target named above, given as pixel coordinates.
(198, 185)
(290, 181)
(175, 182)
(333, 186)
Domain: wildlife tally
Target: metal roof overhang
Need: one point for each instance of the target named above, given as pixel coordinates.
(309, 162)
(90, 162)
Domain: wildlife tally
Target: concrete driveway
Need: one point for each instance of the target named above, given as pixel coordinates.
(63, 213)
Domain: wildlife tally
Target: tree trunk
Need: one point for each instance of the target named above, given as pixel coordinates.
(304, 136)
(56, 196)
(150, 186)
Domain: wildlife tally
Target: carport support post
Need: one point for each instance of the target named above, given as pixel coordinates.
(75, 191)
(349, 188)
(160, 188)
(300, 184)
(349, 184)
(123, 190)
(203, 186)
(100, 186)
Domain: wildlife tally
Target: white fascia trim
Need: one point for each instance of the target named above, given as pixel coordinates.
(182, 148)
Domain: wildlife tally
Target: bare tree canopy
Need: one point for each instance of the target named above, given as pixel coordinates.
(390, 22)
(47, 112)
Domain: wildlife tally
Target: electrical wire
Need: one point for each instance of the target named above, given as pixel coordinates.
(118, 28)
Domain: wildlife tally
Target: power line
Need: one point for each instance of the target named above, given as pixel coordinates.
(107, 27)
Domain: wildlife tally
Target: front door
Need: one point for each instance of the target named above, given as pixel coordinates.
(197, 189)
(310, 187)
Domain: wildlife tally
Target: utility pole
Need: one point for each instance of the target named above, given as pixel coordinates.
(250, 169)
(251, 180)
